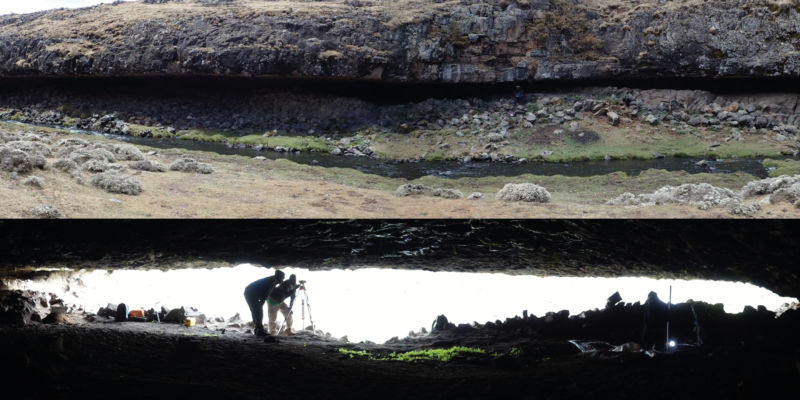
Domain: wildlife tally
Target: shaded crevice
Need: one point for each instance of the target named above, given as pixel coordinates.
(380, 92)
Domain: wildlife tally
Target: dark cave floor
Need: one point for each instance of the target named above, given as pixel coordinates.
(527, 357)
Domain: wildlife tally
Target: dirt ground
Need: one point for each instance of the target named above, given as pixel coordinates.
(150, 360)
(242, 187)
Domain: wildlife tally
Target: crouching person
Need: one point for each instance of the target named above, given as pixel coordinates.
(275, 302)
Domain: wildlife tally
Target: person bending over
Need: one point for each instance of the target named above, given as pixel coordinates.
(275, 302)
(256, 294)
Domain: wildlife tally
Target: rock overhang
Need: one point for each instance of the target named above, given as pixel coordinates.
(762, 252)
(408, 41)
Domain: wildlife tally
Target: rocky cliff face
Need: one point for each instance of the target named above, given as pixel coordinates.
(410, 40)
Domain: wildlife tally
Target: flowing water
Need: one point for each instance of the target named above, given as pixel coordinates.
(456, 169)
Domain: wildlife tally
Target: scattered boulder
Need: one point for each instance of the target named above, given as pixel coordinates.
(626, 199)
(56, 317)
(475, 196)
(191, 165)
(613, 300)
(789, 194)
(34, 181)
(702, 195)
(495, 137)
(447, 193)
(413, 189)
(128, 152)
(148, 165)
(117, 182)
(768, 185)
(46, 212)
(613, 118)
(747, 210)
(441, 323)
(108, 311)
(175, 316)
(523, 192)
(16, 308)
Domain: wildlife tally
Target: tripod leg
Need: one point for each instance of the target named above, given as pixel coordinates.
(310, 319)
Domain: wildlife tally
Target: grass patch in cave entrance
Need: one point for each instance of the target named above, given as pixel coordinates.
(422, 355)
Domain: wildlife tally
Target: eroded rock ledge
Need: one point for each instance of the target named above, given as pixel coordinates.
(410, 40)
(763, 252)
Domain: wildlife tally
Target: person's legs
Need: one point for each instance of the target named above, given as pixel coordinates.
(257, 312)
(288, 317)
(272, 314)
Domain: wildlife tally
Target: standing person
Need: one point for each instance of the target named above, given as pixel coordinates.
(275, 303)
(256, 293)
(655, 321)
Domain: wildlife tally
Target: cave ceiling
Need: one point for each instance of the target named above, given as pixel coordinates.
(759, 252)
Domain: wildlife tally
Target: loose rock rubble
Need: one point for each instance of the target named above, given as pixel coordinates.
(46, 212)
(789, 194)
(447, 193)
(418, 189)
(769, 185)
(350, 124)
(702, 195)
(412, 189)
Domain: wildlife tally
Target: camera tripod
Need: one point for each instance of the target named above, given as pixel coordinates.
(304, 305)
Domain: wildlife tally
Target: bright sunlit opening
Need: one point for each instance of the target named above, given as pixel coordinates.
(378, 304)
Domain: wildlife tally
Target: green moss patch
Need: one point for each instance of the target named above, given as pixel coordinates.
(430, 355)
(442, 355)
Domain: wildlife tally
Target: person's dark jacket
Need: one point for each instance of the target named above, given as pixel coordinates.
(261, 288)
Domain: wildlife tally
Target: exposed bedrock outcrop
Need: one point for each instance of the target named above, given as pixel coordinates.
(760, 252)
(410, 40)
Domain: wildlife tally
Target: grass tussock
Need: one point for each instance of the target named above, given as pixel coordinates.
(442, 355)
(782, 167)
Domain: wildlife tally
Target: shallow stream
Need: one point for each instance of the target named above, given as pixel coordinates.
(456, 169)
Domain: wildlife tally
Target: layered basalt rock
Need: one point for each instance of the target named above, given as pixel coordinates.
(763, 253)
(410, 40)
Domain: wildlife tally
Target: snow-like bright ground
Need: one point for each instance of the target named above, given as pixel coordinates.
(27, 6)
(377, 304)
